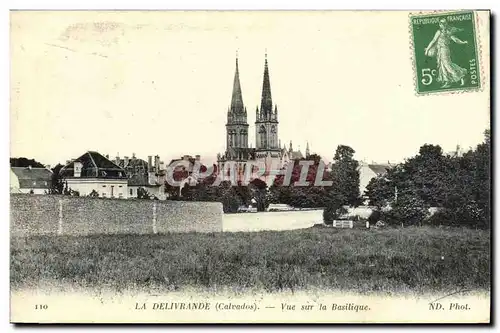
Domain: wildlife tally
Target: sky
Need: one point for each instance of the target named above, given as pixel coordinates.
(159, 83)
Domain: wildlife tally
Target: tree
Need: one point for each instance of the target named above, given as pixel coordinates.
(333, 210)
(345, 189)
(345, 176)
(229, 197)
(309, 196)
(458, 185)
(428, 174)
(57, 183)
(467, 199)
(408, 210)
(258, 192)
(380, 191)
(24, 162)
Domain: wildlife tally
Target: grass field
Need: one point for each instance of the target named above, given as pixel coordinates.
(394, 260)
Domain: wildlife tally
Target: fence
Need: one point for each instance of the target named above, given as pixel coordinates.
(66, 215)
(343, 224)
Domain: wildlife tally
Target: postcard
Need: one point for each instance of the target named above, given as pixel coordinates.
(250, 167)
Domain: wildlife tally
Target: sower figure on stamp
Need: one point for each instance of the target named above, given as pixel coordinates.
(448, 72)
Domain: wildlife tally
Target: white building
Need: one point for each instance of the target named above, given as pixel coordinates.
(369, 171)
(30, 180)
(93, 173)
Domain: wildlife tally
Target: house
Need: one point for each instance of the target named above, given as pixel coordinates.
(132, 166)
(30, 180)
(141, 174)
(369, 171)
(94, 173)
(148, 183)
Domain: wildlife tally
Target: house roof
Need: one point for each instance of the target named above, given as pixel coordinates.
(379, 169)
(94, 165)
(292, 154)
(134, 162)
(33, 177)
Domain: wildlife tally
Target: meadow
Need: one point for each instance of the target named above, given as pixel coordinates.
(415, 259)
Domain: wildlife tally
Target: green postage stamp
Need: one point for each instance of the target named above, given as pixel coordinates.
(445, 52)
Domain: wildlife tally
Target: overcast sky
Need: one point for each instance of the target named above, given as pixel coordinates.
(160, 83)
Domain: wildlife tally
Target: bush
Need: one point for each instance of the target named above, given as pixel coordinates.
(408, 210)
(333, 211)
(374, 217)
(94, 194)
(469, 215)
(142, 193)
(230, 204)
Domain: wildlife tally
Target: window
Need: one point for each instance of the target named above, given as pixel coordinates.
(120, 186)
(120, 195)
(104, 194)
(131, 192)
(103, 185)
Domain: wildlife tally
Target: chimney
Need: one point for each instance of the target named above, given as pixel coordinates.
(48, 167)
(185, 157)
(133, 156)
(150, 162)
(125, 161)
(157, 163)
(77, 171)
(117, 159)
(197, 157)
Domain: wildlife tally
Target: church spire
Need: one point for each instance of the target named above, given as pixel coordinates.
(266, 104)
(237, 98)
(307, 149)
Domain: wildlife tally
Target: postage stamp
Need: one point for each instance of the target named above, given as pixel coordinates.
(445, 52)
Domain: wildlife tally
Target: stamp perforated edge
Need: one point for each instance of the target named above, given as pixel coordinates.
(479, 53)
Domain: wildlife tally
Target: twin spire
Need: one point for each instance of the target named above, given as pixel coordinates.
(266, 103)
(266, 106)
(237, 106)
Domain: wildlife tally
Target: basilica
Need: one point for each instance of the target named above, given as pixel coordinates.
(268, 151)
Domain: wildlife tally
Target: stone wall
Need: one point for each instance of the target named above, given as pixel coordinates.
(56, 214)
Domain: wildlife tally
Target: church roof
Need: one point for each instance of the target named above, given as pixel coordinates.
(266, 103)
(237, 106)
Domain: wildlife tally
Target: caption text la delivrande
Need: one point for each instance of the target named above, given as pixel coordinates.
(247, 306)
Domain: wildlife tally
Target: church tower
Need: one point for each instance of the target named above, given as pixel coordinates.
(266, 123)
(236, 126)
